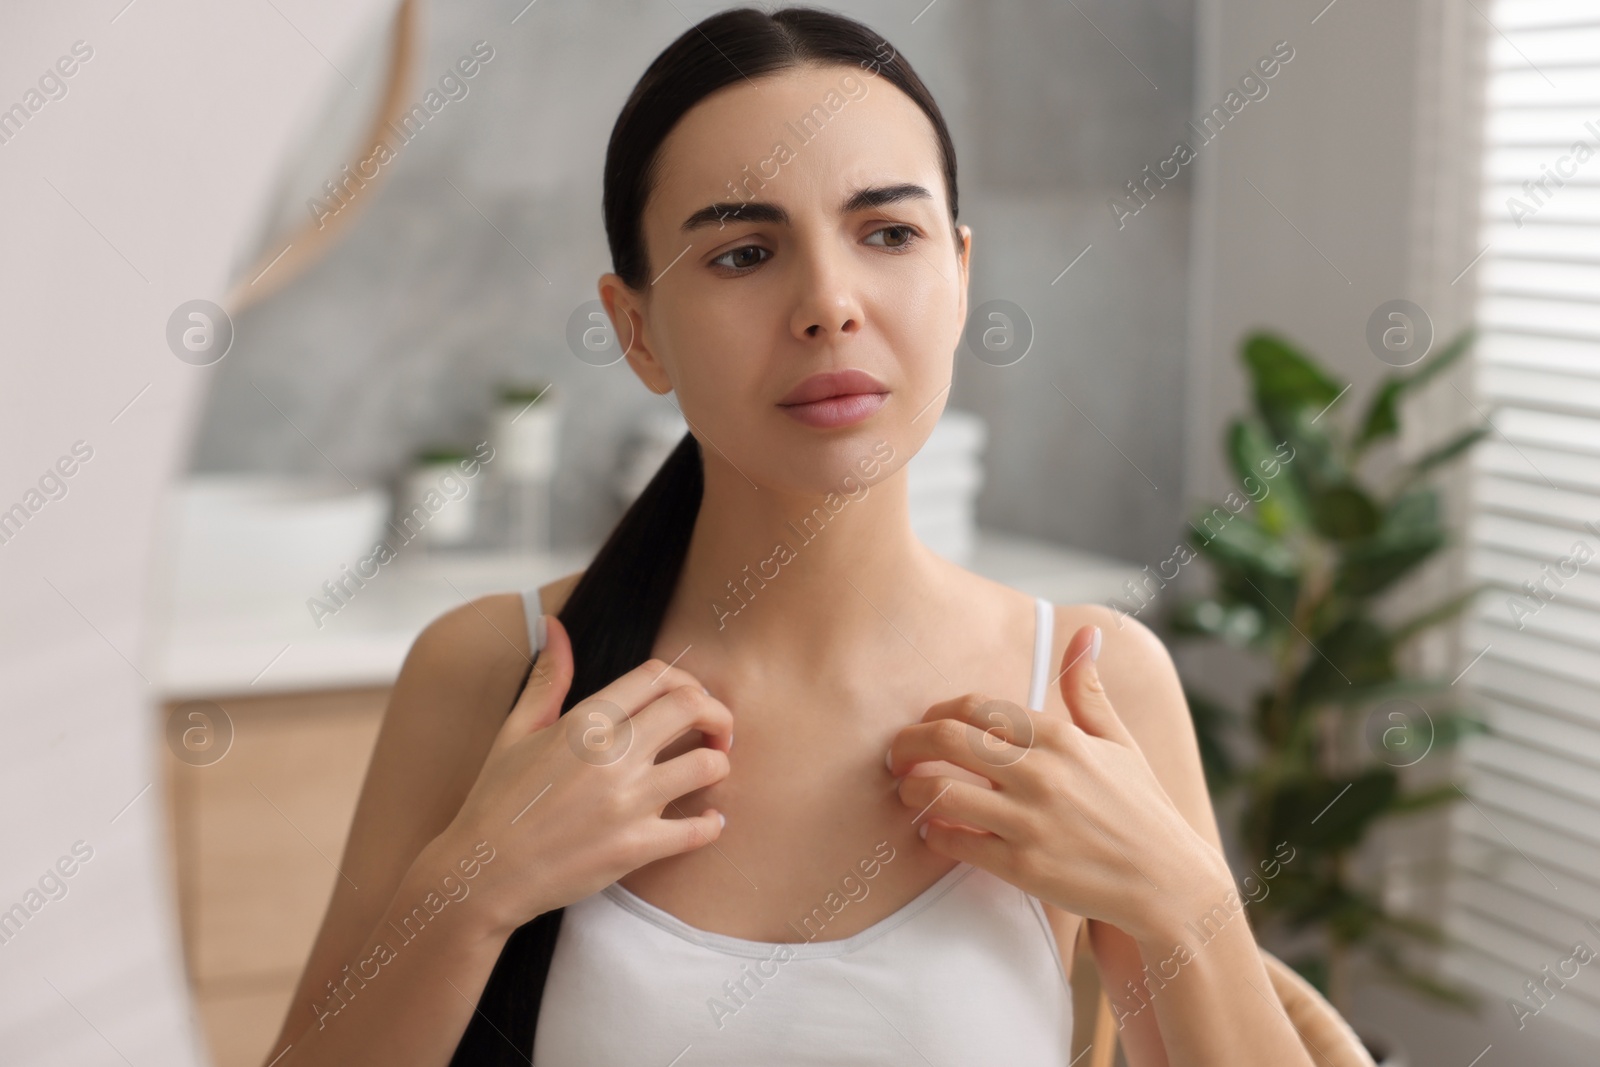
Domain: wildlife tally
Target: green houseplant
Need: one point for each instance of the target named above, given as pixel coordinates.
(1299, 579)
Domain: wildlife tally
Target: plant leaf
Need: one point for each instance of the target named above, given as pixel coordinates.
(1374, 567)
(1383, 413)
(1358, 652)
(1327, 815)
(1383, 418)
(1418, 731)
(1238, 624)
(1451, 728)
(1451, 352)
(1272, 595)
(1423, 799)
(1344, 513)
(1291, 392)
(1240, 543)
(1400, 974)
(1362, 695)
(1409, 535)
(1283, 377)
(1257, 465)
(1438, 613)
(1449, 450)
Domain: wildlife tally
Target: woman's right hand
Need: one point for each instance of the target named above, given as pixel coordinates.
(570, 803)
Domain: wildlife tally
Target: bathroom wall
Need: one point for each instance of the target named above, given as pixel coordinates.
(1068, 103)
(487, 235)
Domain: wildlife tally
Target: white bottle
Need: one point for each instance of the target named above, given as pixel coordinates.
(525, 429)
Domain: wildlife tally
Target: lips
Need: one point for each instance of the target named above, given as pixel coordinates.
(836, 411)
(829, 401)
(835, 384)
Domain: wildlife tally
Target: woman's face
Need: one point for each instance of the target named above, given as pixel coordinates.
(809, 276)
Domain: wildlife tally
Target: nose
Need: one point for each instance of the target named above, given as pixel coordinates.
(828, 305)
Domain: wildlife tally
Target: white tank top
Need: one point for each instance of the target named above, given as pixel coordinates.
(968, 972)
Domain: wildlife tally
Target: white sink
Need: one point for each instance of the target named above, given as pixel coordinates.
(240, 538)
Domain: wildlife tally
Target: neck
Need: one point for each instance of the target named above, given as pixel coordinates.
(806, 578)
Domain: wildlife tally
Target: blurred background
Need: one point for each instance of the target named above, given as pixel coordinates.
(1283, 340)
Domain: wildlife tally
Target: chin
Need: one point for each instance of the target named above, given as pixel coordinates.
(841, 461)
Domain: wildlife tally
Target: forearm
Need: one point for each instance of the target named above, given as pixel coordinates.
(407, 997)
(1213, 1001)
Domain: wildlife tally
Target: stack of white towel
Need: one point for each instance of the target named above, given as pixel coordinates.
(943, 483)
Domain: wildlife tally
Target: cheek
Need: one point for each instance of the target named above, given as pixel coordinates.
(712, 352)
(922, 339)
(920, 313)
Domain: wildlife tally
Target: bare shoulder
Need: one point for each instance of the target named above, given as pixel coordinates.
(473, 658)
(485, 633)
(456, 686)
(459, 680)
(488, 634)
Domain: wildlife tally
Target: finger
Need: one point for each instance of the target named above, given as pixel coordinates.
(680, 709)
(1004, 721)
(985, 750)
(948, 799)
(1081, 688)
(694, 769)
(668, 837)
(980, 849)
(539, 703)
(635, 689)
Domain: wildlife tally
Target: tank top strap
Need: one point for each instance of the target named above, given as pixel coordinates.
(1043, 636)
(531, 608)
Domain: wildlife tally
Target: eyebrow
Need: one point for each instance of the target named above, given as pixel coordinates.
(761, 211)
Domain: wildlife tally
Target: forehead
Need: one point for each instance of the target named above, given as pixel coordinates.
(804, 132)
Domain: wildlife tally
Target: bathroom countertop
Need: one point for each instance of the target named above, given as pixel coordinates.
(271, 643)
(259, 642)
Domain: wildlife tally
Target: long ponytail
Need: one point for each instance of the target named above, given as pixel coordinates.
(612, 616)
(614, 612)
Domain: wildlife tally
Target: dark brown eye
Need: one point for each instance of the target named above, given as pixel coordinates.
(907, 236)
(744, 256)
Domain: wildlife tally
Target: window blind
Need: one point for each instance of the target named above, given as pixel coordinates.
(1525, 854)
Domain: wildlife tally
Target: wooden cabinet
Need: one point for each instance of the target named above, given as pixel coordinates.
(257, 838)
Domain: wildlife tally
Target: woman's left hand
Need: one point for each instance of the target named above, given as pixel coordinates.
(1074, 816)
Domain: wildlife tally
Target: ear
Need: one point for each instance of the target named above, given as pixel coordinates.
(964, 261)
(628, 313)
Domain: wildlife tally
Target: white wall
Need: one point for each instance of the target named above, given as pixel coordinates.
(123, 198)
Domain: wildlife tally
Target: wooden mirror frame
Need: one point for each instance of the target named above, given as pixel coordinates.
(277, 266)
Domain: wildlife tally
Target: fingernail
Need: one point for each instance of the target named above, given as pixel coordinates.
(541, 634)
(723, 817)
(730, 740)
(704, 690)
(1094, 649)
(888, 761)
(922, 831)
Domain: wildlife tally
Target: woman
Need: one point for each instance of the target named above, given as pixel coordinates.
(917, 820)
